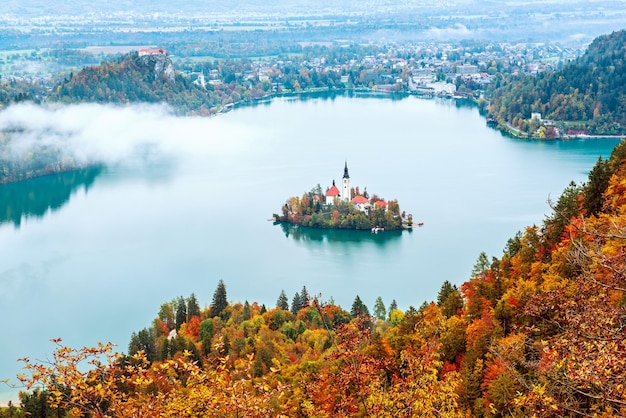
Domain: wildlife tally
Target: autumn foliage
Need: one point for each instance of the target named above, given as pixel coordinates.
(538, 332)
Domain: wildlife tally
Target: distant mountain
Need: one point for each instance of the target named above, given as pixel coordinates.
(588, 94)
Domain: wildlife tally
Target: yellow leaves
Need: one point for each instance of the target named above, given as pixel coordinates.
(396, 316)
(615, 194)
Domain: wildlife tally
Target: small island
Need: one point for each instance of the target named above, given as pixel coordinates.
(348, 208)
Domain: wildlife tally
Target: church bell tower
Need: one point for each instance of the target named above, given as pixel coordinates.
(345, 193)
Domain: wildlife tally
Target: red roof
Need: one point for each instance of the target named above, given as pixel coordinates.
(381, 203)
(333, 191)
(146, 51)
(359, 200)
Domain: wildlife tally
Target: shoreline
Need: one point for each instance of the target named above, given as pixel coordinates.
(317, 228)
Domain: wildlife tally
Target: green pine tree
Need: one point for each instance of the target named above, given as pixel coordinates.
(220, 301)
(358, 308)
(282, 302)
(380, 312)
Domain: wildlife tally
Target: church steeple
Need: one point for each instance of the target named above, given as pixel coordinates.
(346, 192)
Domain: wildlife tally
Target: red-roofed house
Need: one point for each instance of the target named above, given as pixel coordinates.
(146, 51)
(381, 204)
(332, 194)
(360, 202)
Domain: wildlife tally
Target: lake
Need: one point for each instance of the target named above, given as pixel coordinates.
(90, 256)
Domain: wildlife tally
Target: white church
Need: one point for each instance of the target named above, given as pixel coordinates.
(333, 192)
(334, 195)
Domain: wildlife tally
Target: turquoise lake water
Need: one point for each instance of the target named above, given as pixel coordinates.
(90, 256)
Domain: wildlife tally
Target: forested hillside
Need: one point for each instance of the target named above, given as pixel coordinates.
(15, 91)
(41, 160)
(151, 78)
(133, 78)
(587, 95)
(538, 332)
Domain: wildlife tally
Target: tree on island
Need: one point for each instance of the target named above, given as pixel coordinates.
(310, 210)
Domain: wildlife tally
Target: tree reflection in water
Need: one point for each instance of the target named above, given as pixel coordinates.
(34, 197)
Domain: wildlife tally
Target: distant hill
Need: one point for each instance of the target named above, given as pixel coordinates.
(133, 78)
(587, 95)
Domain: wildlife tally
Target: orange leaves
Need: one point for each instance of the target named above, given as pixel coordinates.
(540, 333)
(193, 327)
(480, 331)
(615, 195)
(161, 327)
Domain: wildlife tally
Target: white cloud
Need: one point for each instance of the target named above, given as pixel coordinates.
(111, 134)
(458, 31)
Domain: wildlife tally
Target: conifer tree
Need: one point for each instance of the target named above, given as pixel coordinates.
(282, 302)
(445, 291)
(392, 307)
(246, 311)
(193, 309)
(481, 266)
(296, 303)
(449, 299)
(181, 312)
(380, 312)
(305, 298)
(144, 341)
(596, 185)
(565, 208)
(358, 308)
(220, 301)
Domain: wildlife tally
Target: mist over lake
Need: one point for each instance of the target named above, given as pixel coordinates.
(182, 202)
